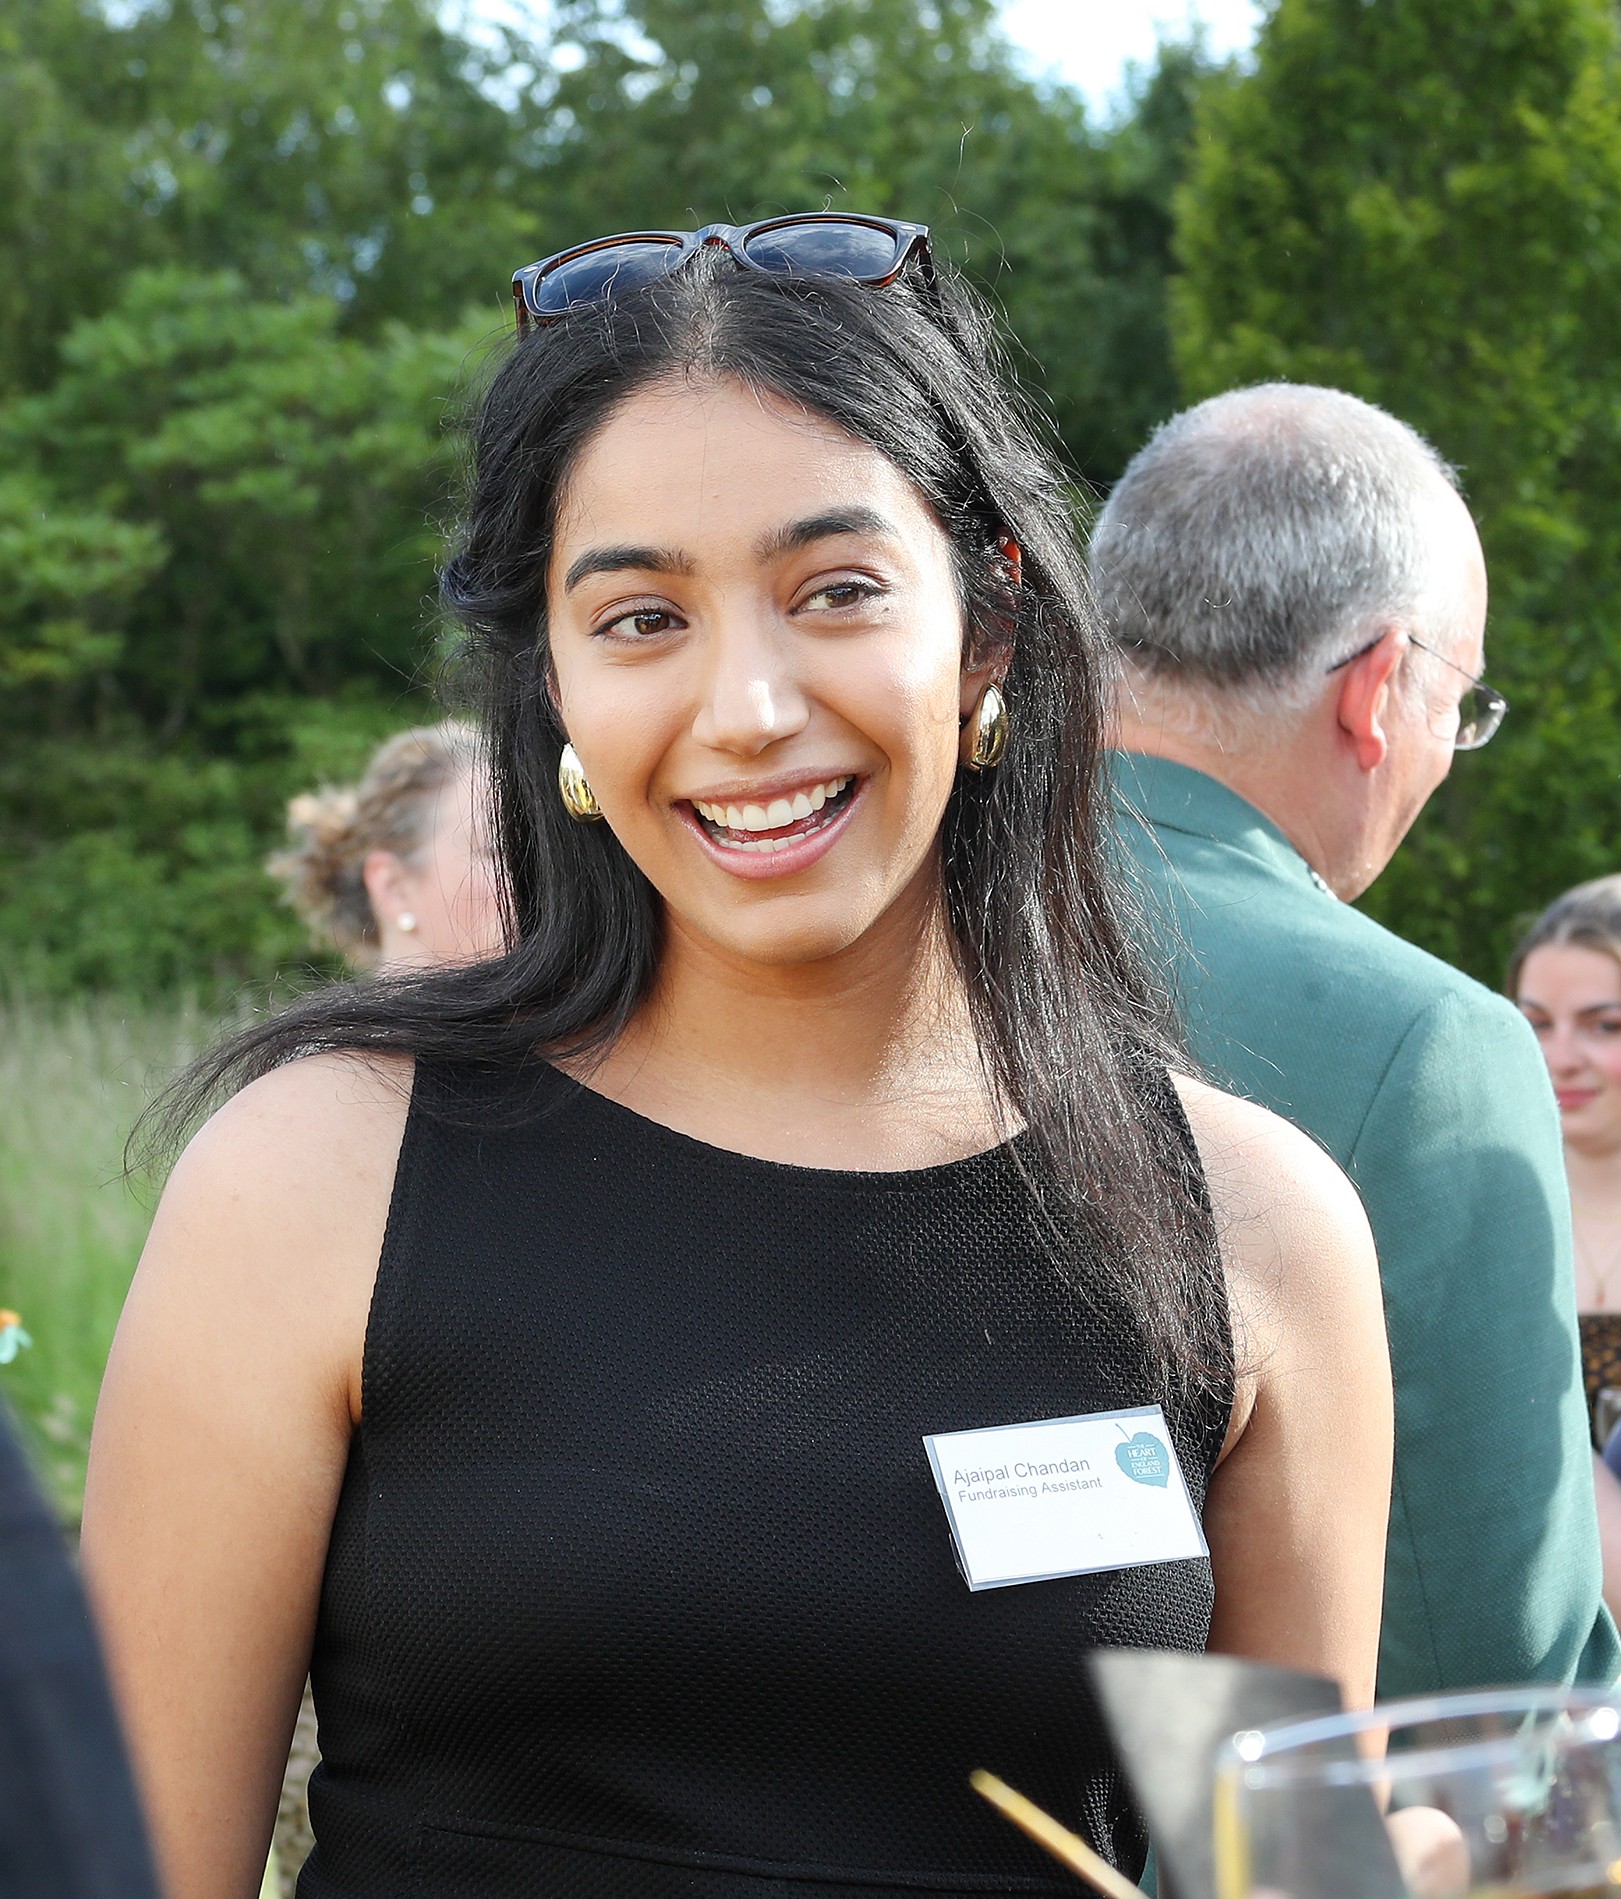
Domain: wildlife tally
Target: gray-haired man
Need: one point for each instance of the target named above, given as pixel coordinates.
(1299, 597)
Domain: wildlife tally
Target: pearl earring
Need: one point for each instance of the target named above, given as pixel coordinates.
(406, 921)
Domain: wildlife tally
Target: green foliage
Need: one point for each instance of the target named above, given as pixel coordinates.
(290, 475)
(1421, 203)
(222, 522)
(345, 147)
(63, 220)
(67, 576)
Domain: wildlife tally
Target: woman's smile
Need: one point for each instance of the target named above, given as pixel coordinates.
(774, 829)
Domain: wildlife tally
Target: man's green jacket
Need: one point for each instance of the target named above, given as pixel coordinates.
(1432, 1095)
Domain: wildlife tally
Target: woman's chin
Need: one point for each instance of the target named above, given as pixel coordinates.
(793, 932)
(1592, 1129)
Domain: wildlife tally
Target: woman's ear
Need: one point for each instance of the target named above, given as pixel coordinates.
(384, 877)
(990, 644)
(554, 702)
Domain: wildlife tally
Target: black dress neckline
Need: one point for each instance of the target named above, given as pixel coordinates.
(943, 1175)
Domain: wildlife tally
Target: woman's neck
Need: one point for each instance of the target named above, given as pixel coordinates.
(863, 1060)
(1595, 1180)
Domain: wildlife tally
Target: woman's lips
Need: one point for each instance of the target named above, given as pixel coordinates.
(1574, 1097)
(762, 817)
(780, 851)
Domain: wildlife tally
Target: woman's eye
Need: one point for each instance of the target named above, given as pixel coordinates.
(640, 623)
(842, 593)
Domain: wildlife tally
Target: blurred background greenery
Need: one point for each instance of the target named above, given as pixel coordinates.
(253, 256)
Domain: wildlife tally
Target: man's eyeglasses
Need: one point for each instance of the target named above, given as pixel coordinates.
(1480, 711)
(812, 244)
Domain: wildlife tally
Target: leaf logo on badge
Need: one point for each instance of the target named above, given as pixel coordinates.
(1144, 1460)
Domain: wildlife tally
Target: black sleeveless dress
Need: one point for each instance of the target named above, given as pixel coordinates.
(640, 1585)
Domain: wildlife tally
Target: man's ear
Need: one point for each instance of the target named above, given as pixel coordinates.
(1365, 690)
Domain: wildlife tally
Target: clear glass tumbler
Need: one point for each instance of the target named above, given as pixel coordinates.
(1504, 1794)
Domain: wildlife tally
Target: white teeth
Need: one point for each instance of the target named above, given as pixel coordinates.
(766, 844)
(772, 817)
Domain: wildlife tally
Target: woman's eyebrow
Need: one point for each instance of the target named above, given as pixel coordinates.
(615, 560)
(820, 527)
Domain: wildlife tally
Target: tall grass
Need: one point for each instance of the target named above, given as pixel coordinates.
(73, 1078)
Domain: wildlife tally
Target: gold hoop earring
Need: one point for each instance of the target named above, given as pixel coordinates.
(984, 737)
(579, 800)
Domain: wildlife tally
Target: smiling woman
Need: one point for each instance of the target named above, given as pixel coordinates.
(548, 1347)
(1566, 976)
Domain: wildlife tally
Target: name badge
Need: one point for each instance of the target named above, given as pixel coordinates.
(1028, 1502)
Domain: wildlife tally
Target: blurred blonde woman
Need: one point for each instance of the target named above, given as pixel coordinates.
(395, 872)
(1566, 977)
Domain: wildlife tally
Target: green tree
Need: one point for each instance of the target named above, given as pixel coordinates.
(63, 226)
(294, 475)
(221, 527)
(351, 148)
(1420, 201)
(67, 578)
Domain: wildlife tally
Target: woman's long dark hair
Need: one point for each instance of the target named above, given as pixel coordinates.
(1070, 1030)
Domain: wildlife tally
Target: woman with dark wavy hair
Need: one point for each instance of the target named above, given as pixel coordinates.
(543, 1351)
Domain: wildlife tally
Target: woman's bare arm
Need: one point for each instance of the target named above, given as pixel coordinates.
(220, 1444)
(1297, 1512)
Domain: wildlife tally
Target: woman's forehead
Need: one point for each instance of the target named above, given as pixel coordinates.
(683, 466)
(1571, 975)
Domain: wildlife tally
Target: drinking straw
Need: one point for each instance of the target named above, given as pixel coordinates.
(1058, 1840)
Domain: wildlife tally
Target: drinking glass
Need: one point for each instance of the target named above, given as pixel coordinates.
(1509, 1793)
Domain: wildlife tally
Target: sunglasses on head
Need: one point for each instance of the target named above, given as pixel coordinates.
(858, 250)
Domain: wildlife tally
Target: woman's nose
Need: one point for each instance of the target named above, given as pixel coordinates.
(750, 698)
(1561, 1050)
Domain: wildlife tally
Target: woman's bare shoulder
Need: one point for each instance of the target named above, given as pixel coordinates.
(322, 1115)
(287, 1187)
